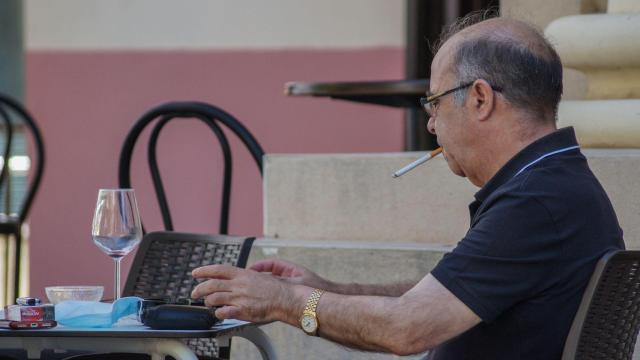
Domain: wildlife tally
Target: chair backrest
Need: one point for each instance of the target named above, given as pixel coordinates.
(608, 320)
(11, 109)
(163, 263)
(8, 138)
(211, 116)
(13, 113)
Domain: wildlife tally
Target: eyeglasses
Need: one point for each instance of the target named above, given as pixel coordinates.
(430, 103)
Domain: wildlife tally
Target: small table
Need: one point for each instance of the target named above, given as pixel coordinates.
(133, 339)
(396, 93)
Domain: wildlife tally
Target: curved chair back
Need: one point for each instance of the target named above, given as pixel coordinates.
(10, 224)
(211, 116)
(164, 261)
(8, 131)
(608, 320)
(8, 103)
(162, 270)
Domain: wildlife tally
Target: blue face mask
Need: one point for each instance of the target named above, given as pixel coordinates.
(93, 314)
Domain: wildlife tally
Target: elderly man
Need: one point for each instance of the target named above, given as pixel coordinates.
(539, 223)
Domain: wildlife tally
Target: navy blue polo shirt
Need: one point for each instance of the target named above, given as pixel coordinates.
(535, 237)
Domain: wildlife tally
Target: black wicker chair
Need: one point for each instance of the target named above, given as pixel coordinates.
(13, 114)
(608, 320)
(164, 261)
(162, 269)
(211, 116)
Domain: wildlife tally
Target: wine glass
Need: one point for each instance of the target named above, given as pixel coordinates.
(116, 228)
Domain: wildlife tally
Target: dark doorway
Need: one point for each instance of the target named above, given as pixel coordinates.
(425, 20)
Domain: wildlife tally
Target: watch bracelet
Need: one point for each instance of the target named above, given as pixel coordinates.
(313, 300)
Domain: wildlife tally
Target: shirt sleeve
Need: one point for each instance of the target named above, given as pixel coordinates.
(506, 257)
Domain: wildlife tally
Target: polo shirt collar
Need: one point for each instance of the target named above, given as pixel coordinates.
(558, 139)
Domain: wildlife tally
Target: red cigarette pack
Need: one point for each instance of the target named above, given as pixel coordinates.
(29, 313)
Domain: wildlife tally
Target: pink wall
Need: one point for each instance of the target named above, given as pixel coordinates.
(86, 102)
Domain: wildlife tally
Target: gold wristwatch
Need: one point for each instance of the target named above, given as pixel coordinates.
(309, 320)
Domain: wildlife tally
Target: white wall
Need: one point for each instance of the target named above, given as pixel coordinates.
(211, 24)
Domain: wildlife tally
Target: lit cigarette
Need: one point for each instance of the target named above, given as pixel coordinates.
(415, 164)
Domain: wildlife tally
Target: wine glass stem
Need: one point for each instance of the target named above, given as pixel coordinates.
(116, 290)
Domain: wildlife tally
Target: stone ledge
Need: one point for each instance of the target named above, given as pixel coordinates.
(379, 264)
(353, 197)
(343, 262)
(349, 261)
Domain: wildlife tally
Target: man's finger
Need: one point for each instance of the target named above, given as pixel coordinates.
(228, 312)
(210, 286)
(218, 299)
(275, 266)
(263, 265)
(215, 271)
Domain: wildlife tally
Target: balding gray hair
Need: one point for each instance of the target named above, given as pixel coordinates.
(529, 73)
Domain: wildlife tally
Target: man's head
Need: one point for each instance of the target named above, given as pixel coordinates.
(511, 84)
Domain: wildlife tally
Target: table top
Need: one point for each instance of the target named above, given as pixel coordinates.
(226, 327)
(396, 93)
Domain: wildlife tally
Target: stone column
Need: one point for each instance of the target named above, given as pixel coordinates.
(605, 50)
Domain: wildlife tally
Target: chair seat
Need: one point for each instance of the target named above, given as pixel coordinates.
(9, 224)
(110, 356)
(607, 322)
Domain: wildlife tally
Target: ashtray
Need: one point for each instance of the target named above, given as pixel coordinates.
(57, 294)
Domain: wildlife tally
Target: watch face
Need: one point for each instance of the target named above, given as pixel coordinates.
(309, 323)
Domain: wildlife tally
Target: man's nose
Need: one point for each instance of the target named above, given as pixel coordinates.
(431, 126)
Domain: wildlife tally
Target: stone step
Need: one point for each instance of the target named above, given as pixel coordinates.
(361, 262)
(353, 197)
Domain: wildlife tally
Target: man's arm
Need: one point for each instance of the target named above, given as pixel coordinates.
(420, 319)
(393, 290)
(297, 274)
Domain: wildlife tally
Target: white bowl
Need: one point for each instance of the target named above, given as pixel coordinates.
(58, 294)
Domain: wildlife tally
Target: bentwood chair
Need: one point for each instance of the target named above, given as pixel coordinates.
(608, 320)
(16, 119)
(163, 264)
(211, 116)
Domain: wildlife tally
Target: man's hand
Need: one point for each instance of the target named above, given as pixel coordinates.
(423, 317)
(296, 274)
(291, 273)
(245, 294)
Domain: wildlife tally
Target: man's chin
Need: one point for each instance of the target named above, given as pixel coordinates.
(460, 173)
(453, 166)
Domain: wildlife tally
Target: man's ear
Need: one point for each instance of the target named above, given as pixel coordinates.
(482, 99)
